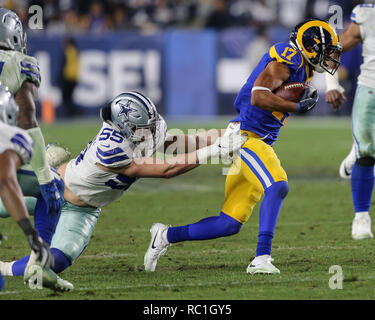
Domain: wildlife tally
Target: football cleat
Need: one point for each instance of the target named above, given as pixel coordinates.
(158, 246)
(361, 226)
(262, 264)
(56, 155)
(347, 164)
(38, 278)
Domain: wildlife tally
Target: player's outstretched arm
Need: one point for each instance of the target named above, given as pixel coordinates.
(185, 143)
(51, 189)
(11, 194)
(174, 166)
(335, 93)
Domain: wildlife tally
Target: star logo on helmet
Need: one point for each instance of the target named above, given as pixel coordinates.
(125, 109)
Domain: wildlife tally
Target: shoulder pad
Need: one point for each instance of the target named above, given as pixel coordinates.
(18, 140)
(361, 13)
(30, 70)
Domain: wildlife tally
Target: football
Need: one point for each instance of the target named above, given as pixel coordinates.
(292, 91)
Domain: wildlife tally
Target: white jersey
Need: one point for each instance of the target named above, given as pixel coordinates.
(364, 16)
(17, 140)
(109, 148)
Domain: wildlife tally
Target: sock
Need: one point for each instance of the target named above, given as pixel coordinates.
(268, 215)
(29, 202)
(362, 184)
(61, 260)
(61, 263)
(45, 223)
(39, 160)
(19, 266)
(208, 228)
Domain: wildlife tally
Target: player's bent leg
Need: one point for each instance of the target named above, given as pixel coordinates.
(268, 215)
(163, 236)
(262, 168)
(347, 164)
(74, 230)
(362, 185)
(362, 177)
(240, 199)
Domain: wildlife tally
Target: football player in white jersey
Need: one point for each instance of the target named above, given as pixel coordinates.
(358, 166)
(118, 155)
(16, 149)
(20, 73)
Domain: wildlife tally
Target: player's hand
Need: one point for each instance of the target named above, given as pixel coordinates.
(335, 98)
(41, 249)
(228, 145)
(53, 194)
(309, 100)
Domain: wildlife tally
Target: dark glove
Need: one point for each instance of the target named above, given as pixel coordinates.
(309, 100)
(41, 248)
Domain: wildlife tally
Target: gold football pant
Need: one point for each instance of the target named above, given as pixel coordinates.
(254, 170)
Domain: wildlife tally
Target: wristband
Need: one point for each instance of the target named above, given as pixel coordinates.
(26, 226)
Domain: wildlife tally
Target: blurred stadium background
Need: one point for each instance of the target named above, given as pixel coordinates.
(190, 56)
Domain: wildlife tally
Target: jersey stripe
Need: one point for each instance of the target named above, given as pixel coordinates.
(261, 164)
(113, 159)
(110, 153)
(31, 74)
(23, 145)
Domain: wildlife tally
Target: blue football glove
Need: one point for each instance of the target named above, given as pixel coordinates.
(308, 101)
(53, 194)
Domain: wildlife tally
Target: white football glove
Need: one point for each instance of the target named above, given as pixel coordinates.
(225, 147)
(233, 128)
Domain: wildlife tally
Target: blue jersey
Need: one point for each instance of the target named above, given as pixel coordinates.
(267, 123)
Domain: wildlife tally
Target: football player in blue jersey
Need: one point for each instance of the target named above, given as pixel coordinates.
(257, 171)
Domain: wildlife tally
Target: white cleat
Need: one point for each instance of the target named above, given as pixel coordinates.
(347, 164)
(38, 278)
(262, 264)
(158, 246)
(361, 226)
(56, 155)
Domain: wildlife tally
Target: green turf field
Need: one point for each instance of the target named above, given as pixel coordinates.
(313, 232)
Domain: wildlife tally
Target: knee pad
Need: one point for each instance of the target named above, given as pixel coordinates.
(366, 161)
(229, 225)
(61, 260)
(281, 188)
